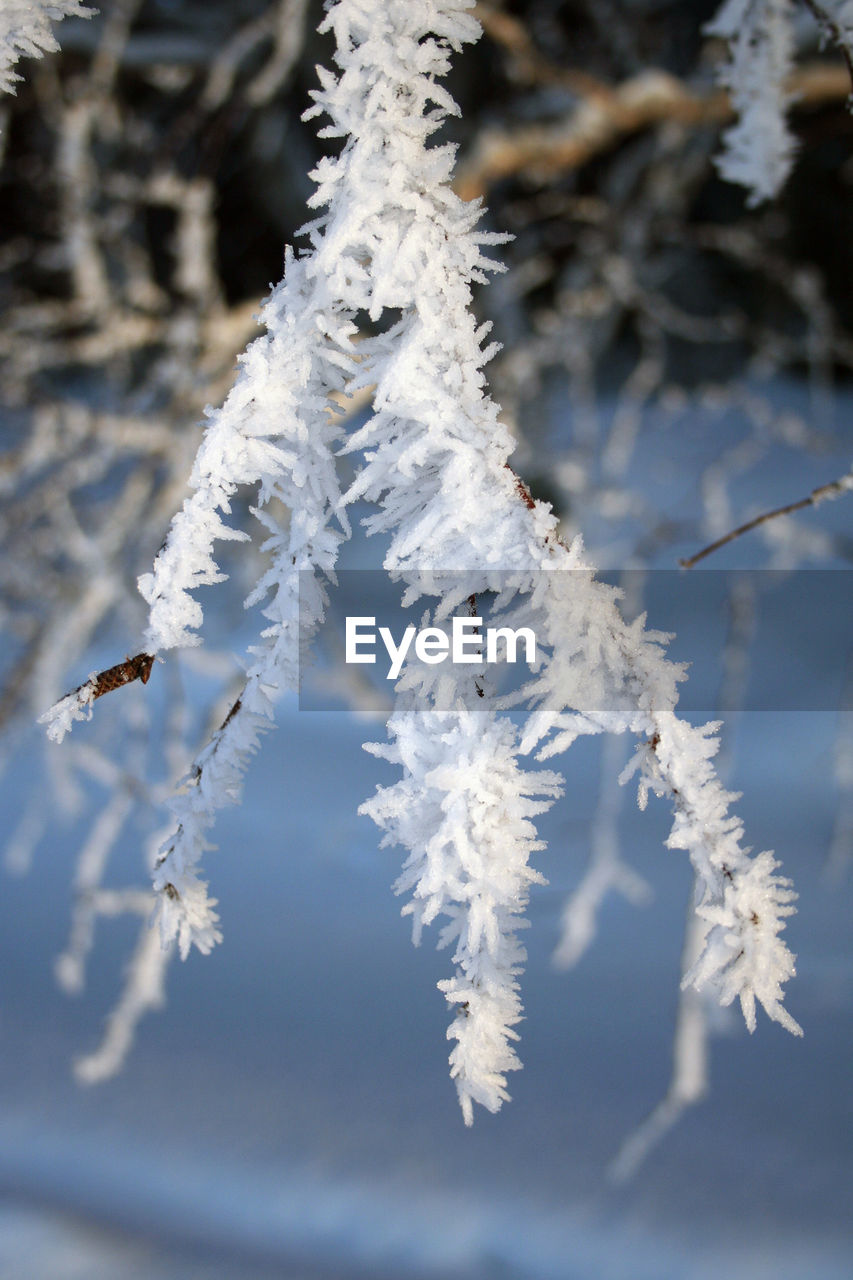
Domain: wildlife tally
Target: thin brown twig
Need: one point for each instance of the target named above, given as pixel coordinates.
(824, 493)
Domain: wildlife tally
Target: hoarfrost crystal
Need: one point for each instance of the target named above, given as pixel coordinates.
(394, 243)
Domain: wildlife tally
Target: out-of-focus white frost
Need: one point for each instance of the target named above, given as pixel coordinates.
(59, 718)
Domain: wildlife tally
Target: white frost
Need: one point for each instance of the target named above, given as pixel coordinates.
(25, 31)
(59, 718)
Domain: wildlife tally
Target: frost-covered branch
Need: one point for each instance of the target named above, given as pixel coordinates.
(25, 31)
(463, 809)
(276, 431)
(696, 1017)
(394, 250)
(758, 150)
(436, 460)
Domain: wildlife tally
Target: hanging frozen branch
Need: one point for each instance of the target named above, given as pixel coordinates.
(696, 1016)
(758, 85)
(25, 31)
(392, 241)
(824, 493)
(758, 150)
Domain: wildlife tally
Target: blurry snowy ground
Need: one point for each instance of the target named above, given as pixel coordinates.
(289, 1113)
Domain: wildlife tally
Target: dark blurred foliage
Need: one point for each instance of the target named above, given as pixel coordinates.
(652, 186)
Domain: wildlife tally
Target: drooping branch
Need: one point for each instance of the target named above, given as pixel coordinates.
(434, 460)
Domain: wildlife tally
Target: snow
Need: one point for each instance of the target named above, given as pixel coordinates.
(59, 718)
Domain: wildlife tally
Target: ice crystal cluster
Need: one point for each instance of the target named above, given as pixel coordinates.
(394, 251)
(758, 150)
(25, 31)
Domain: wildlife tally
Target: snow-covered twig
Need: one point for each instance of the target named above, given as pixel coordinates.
(25, 31)
(758, 150)
(77, 705)
(394, 243)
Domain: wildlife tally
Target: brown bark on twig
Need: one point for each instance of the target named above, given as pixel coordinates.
(521, 488)
(136, 668)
